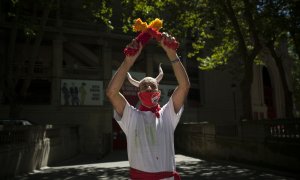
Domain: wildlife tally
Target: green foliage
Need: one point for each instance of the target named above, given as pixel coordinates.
(220, 55)
(29, 32)
(144, 9)
(281, 20)
(27, 17)
(100, 10)
(177, 20)
(14, 2)
(213, 35)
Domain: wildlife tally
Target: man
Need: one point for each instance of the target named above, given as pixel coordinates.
(150, 129)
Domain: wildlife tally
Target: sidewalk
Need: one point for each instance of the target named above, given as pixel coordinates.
(116, 166)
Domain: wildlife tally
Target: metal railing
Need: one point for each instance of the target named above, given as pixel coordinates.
(280, 130)
(283, 130)
(21, 134)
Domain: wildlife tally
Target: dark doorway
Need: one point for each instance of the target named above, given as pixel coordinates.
(268, 94)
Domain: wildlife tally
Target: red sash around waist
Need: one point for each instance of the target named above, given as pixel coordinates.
(141, 175)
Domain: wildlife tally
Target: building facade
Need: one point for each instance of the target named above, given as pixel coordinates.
(76, 60)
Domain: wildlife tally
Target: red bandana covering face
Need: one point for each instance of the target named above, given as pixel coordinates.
(149, 99)
(150, 102)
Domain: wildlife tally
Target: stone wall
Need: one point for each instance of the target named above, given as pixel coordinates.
(24, 149)
(63, 141)
(203, 140)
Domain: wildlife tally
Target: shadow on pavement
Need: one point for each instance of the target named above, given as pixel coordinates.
(217, 171)
(116, 166)
(114, 156)
(79, 173)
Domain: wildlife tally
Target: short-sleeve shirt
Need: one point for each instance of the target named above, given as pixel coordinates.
(150, 140)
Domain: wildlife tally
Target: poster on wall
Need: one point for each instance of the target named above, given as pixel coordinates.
(81, 92)
(166, 92)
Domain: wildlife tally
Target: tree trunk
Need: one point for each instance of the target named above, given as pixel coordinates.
(288, 95)
(12, 77)
(245, 85)
(9, 78)
(247, 55)
(34, 54)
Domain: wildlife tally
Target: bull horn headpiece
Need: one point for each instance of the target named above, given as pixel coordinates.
(137, 83)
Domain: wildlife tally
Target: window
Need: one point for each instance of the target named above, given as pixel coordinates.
(39, 92)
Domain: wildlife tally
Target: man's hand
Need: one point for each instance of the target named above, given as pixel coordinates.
(168, 39)
(135, 45)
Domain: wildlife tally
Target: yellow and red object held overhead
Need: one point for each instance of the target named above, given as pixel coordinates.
(148, 32)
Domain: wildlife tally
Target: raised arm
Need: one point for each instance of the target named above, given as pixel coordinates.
(113, 89)
(183, 87)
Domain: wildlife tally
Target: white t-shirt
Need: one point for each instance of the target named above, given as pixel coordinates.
(150, 140)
